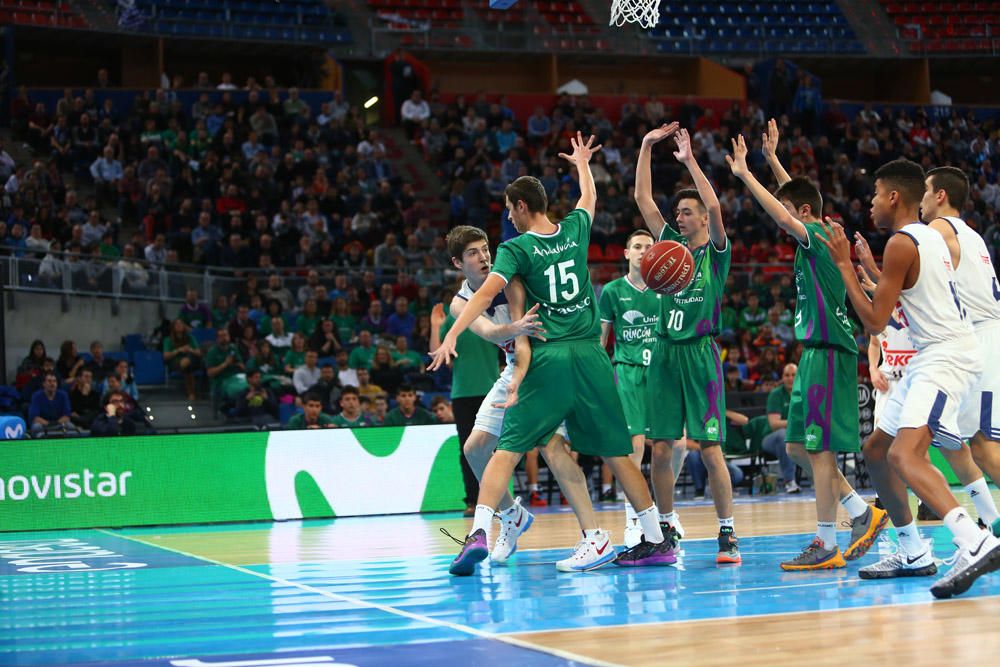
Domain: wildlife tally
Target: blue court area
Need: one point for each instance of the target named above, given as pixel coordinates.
(292, 594)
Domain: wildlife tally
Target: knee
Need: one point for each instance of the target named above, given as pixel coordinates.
(896, 457)
(472, 446)
(662, 452)
(874, 451)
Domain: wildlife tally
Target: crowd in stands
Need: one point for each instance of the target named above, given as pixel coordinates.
(312, 194)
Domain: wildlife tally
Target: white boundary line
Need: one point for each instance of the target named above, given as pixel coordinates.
(482, 634)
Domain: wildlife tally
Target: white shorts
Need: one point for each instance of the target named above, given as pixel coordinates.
(881, 400)
(490, 419)
(981, 409)
(937, 380)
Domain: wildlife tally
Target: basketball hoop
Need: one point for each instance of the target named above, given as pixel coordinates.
(644, 12)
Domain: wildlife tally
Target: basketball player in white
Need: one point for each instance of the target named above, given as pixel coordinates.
(471, 254)
(918, 275)
(896, 349)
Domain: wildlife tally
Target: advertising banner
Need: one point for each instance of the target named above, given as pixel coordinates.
(172, 479)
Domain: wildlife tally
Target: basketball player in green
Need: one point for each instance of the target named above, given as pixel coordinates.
(570, 377)
(632, 309)
(823, 412)
(687, 390)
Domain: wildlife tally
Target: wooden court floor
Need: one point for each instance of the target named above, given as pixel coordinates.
(376, 591)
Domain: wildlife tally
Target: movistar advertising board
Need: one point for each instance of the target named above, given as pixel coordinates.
(92, 482)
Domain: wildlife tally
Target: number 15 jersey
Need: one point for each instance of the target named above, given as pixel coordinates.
(553, 268)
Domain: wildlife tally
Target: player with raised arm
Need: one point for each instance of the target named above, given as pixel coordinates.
(685, 356)
(823, 413)
(918, 277)
(470, 253)
(631, 309)
(570, 377)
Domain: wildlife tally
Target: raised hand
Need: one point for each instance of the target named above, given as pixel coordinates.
(582, 152)
(684, 154)
(770, 139)
(530, 325)
(865, 256)
(437, 315)
(738, 160)
(660, 133)
(444, 354)
(836, 242)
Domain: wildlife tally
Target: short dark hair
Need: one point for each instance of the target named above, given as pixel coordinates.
(801, 191)
(460, 237)
(905, 177)
(953, 181)
(405, 388)
(350, 389)
(311, 396)
(438, 400)
(689, 193)
(529, 190)
(638, 232)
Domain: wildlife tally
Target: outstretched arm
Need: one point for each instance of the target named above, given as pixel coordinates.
(770, 140)
(498, 334)
(475, 307)
(522, 348)
(738, 163)
(900, 254)
(644, 179)
(582, 152)
(685, 155)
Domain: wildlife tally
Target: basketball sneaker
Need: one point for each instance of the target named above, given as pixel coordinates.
(633, 533)
(514, 522)
(474, 550)
(590, 553)
(729, 547)
(925, 513)
(536, 500)
(901, 565)
(864, 531)
(677, 527)
(671, 534)
(647, 553)
(608, 496)
(967, 565)
(815, 557)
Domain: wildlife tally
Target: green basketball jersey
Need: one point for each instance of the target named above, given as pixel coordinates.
(554, 271)
(634, 314)
(821, 307)
(695, 311)
(477, 366)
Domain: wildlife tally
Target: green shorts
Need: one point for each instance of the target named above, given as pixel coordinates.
(823, 412)
(570, 381)
(686, 392)
(633, 394)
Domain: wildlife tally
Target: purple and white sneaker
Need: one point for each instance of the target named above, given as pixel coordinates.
(474, 550)
(647, 553)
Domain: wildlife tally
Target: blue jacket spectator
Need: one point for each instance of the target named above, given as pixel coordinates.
(49, 405)
(402, 322)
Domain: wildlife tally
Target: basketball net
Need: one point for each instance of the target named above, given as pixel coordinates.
(644, 12)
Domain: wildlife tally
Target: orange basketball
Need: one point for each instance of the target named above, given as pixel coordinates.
(667, 267)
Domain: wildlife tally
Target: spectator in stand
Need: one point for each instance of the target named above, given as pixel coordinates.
(414, 111)
(135, 276)
(402, 322)
(295, 356)
(239, 322)
(307, 374)
(389, 253)
(99, 365)
(384, 371)
(308, 291)
(406, 359)
(325, 340)
(441, 408)
(308, 319)
(194, 313)
(407, 411)
(223, 365)
(345, 323)
(327, 387)
(312, 415)
(117, 418)
(69, 362)
(777, 419)
(365, 387)
(156, 252)
(753, 315)
(31, 365)
(49, 407)
(350, 415)
(374, 323)
(276, 290)
(280, 341)
(84, 399)
(256, 403)
(182, 354)
(248, 342)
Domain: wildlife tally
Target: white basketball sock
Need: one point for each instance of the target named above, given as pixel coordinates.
(483, 519)
(827, 533)
(979, 491)
(961, 525)
(649, 519)
(909, 539)
(854, 504)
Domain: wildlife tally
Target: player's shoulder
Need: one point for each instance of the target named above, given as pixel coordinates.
(578, 216)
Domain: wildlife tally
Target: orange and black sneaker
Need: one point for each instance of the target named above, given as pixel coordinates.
(729, 547)
(864, 531)
(815, 557)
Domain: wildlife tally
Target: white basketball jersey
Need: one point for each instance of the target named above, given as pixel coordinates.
(497, 313)
(897, 347)
(976, 278)
(931, 309)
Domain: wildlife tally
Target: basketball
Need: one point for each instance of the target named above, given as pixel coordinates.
(667, 267)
